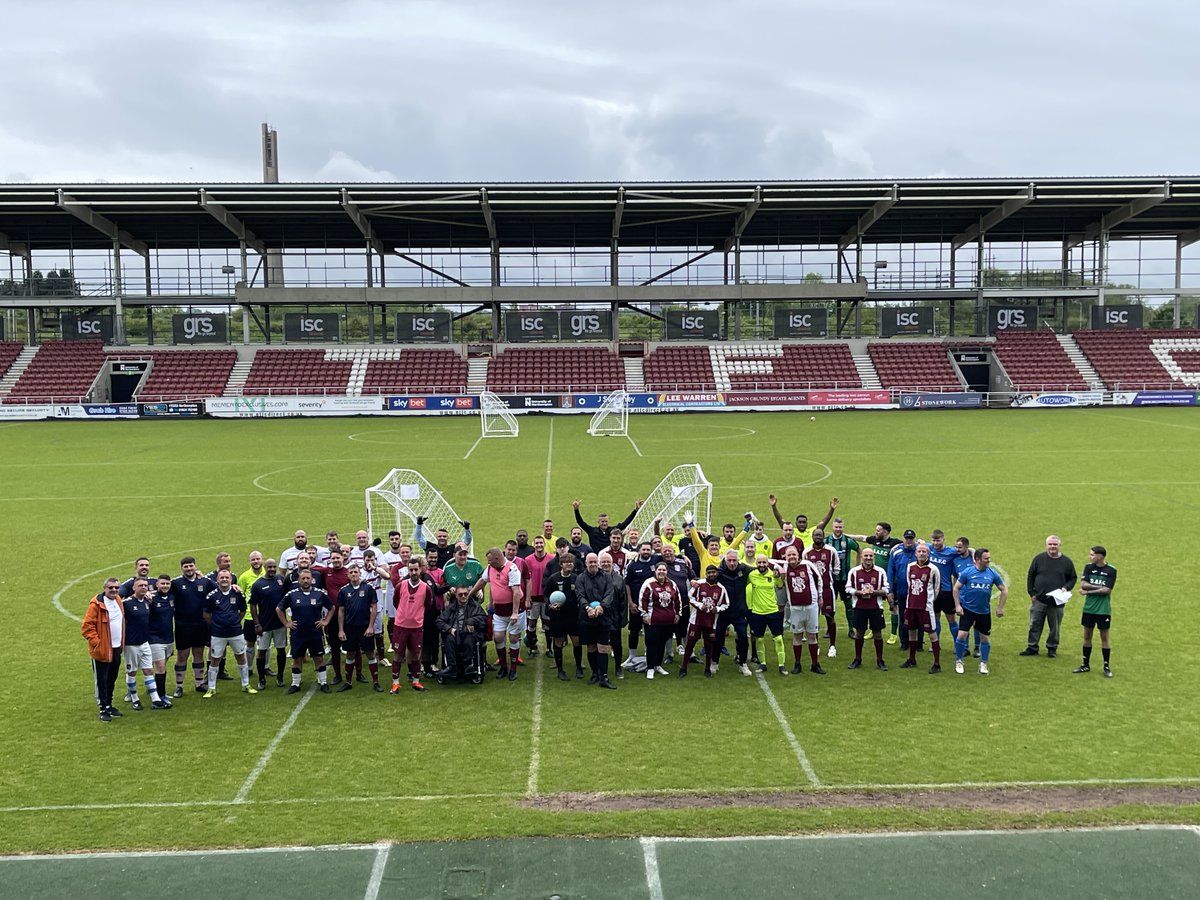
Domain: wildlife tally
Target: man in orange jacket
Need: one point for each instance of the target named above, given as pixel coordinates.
(104, 627)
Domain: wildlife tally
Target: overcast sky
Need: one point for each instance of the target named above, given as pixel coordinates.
(484, 92)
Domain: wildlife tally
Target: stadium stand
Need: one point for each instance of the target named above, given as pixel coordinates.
(1035, 360)
(786, 367)
(9, 351)
(1126, 360)
(523, 369)
(305, 371)
(60, 372)
(182, 374)
(417, 372)
(679, 368)
(919, 365)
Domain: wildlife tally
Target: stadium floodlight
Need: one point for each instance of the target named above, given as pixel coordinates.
(399, 498)
(684, 491)
(496, 418)
(612, 418)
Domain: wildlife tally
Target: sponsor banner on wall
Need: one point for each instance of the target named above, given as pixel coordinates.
(1011, 317)
(444, 404)
(639, 401)
(850, 398)
(26, 413)
(693, 325)
(89, 327)
(767, 398)
(522, 402)
(532, 325)
(1112, 317)
(422, 328)
(172, 409)
(954, 400)
(1059, 398)
(312, 326)
(1154, 398)
(96, 411)
(906, 320)
(692, 399)
(200, 328)
(801, 323)
(276, 407)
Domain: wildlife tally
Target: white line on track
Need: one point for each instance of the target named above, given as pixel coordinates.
(128, 564)
(650, 859)
(261, 765)
(801, 756)
(535, 759)
(230, 851)
(966, 832)
(473, 446)
(377, 870)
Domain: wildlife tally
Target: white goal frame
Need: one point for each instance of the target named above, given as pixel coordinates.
(399, 498)
(683, 490)
(612, 418)
(495, 418)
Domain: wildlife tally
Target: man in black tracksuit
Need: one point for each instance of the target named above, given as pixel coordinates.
(733, 574)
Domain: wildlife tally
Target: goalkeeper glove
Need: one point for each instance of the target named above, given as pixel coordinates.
(377, 542)
(465, 524)
(420, 520)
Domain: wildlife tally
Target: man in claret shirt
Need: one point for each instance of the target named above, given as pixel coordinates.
(660, 606)
(536, 563)
(828, 565)
(191, 631)
(336, 576)
(503, 580)
(708, 601)
(802, 582)
(680, 571)
(868, 585)
(924, 584)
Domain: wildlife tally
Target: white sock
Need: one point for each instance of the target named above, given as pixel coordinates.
(212, 677)
(244, 671)
(148, 680)
(321, 673)
(296, 678)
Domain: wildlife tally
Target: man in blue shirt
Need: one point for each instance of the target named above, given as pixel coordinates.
(973, 603)
(963, 561)
(941, 556)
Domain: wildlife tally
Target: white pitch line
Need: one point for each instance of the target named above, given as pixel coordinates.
(535, 759)
(377, 870)
(1147, 421)
(549, 462)
(801, 756)
(650, 859)
(473, 446)
(286, 801)
(257, 771)
(635, 446)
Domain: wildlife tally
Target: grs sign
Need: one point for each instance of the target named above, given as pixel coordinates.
(200, 328)
(1010, 317)
(588, 324)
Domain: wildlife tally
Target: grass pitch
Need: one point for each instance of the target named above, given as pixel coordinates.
(82, 500)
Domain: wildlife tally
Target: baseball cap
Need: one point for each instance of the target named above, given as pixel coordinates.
(909, 533)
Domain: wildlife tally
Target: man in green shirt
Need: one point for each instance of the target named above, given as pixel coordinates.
(462, 571)
(1096, 586)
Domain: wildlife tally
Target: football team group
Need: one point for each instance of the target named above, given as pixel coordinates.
(435, 609)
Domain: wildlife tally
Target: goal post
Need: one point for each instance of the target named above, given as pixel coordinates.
(683, 492)
(496, 418)
(400, 498)
(612, 418)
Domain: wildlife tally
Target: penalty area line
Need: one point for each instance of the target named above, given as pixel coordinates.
(261, 765)
(801, 756)
(635, 446)
(473, 446)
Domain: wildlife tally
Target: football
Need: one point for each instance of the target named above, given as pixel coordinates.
(558, 598)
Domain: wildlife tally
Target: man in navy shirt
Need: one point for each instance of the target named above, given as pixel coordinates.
(357, 604)
(973, 603)
(141, 569)
(162, 633)
(224, 610)
(311, 611)
(137, 645)
(191, 631)
(265, 594)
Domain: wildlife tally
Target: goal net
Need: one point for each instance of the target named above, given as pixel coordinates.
(612, 418)
(496, 418)
(402, 496)
(684, 493)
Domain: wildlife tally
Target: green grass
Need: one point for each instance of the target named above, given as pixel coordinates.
(81, 500)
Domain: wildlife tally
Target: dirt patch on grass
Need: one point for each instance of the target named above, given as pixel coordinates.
(1000, 799)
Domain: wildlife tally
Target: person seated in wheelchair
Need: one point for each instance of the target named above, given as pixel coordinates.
(463, 627)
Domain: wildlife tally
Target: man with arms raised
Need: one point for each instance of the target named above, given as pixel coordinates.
(597, 535)
(441, 540)
(802, 531)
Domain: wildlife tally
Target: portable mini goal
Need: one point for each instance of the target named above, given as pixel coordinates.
(682, 493)
(612, 418)
(496, 418)
(402, 496)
